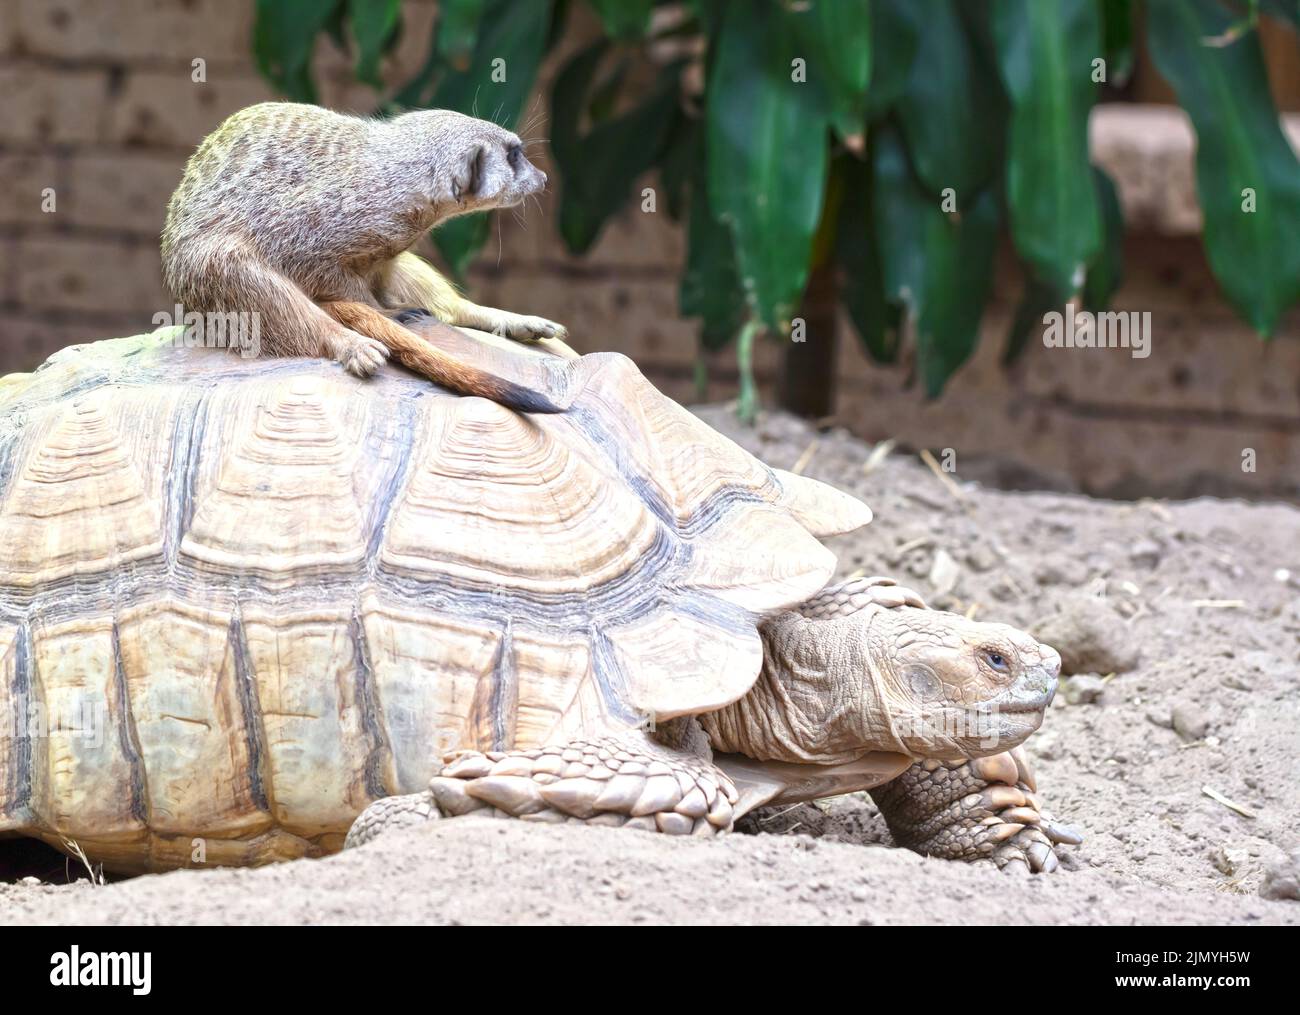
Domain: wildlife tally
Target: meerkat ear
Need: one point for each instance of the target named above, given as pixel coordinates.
(470, 176)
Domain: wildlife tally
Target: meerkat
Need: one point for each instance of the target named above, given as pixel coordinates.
(307, 216)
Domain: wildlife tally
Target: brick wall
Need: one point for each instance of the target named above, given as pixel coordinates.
(99, 104)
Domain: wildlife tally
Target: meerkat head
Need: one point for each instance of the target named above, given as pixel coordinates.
(467, 164)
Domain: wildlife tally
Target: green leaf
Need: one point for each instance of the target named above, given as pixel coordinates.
(678, 159)
(284, 35)
(1117, 39)
(500, 76)
(1241, 154)
(860, 277)
(767, 154)
(457, 30)
(1108, 266)
(896, 33)
(335, 27)
(624, 19)
(710, 14)
(710, 286)
(939, 266)
(374, 26)
(1045, 52)
(1036, 300)
(837, 36)
(569, 99)
(597, 169)
(951, 109)
(559, 20)
(604, 98)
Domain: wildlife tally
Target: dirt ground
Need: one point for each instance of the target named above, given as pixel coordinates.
(1174, 745)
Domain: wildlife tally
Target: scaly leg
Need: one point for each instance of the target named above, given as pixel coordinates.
(626, 780)
(984, 809)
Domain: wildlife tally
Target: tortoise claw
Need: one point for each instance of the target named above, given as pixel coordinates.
(1000, 768)
(1024, 771)
(1057, 832)
(1041, 857)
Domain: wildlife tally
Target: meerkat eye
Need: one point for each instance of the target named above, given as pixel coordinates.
(515, 155)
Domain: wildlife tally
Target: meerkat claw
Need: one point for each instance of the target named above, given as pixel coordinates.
(549, 329)
(532, 329)
(364, 356)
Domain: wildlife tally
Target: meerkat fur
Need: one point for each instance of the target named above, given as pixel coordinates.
(306, 217)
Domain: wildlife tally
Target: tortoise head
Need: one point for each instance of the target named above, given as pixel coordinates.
(948, 687)
(855, 671)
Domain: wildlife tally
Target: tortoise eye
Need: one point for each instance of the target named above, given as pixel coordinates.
(996, 659)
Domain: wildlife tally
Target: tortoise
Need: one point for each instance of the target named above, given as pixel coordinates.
(245, 603)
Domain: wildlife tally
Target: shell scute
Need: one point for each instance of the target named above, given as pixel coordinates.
(278, 498)
(496, 501)
(78, 503)
(84, 775)
(325, 759)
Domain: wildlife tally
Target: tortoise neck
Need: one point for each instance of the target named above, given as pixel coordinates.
(796, 711)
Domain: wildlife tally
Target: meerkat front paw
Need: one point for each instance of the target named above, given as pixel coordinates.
(529, 329)
(362, 355)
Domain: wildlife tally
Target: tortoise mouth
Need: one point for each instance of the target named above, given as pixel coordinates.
(1038, 703)
(1041, 700)
(1034, 705)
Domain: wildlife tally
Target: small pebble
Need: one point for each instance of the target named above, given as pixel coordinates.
(1282, 879)
(1145, 553)
(1084, 689)
(1190, 721)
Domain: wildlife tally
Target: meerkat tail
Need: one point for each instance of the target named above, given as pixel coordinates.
(427, 360)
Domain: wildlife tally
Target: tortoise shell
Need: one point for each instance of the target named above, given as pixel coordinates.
(242, 599)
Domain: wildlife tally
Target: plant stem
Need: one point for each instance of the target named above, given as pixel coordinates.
(747, 402)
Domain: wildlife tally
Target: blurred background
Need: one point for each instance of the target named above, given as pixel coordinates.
(856, 211)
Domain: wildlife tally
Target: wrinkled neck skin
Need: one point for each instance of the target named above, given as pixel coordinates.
(819, 699)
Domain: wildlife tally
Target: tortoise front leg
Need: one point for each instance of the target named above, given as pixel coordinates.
(625, 780)
(984, 809)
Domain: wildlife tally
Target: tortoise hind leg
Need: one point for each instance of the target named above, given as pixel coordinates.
(626, 780)
(985, 809)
